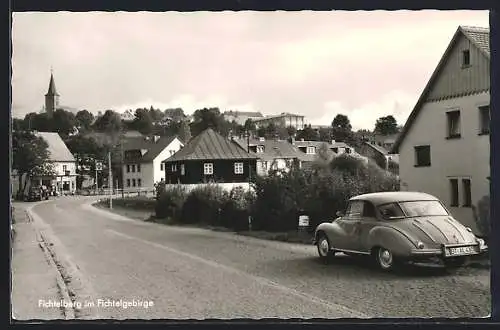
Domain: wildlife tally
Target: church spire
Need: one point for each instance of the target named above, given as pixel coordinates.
(52, 85)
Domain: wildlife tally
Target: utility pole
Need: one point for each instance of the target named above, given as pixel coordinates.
(96, 185)
(121, 168)
(110, 185)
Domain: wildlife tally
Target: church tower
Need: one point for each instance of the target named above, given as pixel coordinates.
(51, 98)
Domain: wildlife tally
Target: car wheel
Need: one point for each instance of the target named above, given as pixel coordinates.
(454, 263)
(384, 258)
(324, 248)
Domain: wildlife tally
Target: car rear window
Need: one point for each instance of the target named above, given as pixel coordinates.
(423, 208)
(391, 211)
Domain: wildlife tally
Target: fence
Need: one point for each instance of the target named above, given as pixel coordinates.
(129, 192)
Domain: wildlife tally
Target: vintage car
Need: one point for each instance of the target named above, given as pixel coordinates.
(396, 227)
(37, 193)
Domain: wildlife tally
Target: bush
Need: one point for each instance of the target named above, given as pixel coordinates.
(482, 216)
(170, 202)
(237, 208)
(204, 205)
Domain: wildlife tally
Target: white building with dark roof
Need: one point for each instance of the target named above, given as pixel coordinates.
(64, 164)
(444, 147)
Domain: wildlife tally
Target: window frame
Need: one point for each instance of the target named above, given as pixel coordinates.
(260, 149)
(138, 168)
(208, 168)
(453, 117)
(139, 182)
(482, 110)
(183, 169)
(313, 148)
(128, 182)
(416, 151)
(466, 192)
(128, 168)
(454, 192)
(162, 166)
(133, 183)
(466, 55)
(239, 168)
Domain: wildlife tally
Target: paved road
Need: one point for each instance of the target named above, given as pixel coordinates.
(190, 273)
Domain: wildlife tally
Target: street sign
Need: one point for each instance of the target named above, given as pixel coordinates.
(98, 166)
(303, 221)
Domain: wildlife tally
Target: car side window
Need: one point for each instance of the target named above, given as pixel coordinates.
(354, 210)
(369, 210)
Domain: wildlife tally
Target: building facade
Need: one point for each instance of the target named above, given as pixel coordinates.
(282, 120)
(209, 158)
(142, 165)
(444, 148)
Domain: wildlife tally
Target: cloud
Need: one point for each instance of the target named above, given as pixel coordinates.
(397, 103)
(311, 63)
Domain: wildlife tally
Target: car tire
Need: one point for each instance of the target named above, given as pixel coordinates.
(384, 259)
(324, 247)
(454, 263)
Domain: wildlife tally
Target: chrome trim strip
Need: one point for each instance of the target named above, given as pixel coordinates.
(423, 230)
(442, 232)
(351, 251)
(456, 228)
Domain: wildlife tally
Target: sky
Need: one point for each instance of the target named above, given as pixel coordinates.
(317, 64)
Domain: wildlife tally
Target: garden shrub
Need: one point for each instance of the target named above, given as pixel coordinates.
(482, 216)
(237, 208)
(170, 202)
(204, 205)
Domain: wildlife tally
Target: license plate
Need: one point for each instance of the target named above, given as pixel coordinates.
(461, 250)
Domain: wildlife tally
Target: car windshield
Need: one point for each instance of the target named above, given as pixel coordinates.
(423, 208)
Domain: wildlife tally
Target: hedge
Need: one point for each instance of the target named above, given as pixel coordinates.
(279, 198)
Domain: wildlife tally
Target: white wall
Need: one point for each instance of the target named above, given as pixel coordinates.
(150, 172)
(468, 156)
(263, 170)
(226, 186)
(172, 148)
(146, 176)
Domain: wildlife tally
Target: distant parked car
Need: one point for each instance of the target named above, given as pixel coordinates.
(396, 227)
(37, 193)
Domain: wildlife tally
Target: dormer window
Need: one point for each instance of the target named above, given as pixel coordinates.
(465, 58)
(260, 149)
(311, 150)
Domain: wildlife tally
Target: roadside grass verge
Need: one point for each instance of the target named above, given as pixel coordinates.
(128, 209)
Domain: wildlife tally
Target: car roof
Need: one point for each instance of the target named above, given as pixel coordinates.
(379, 198)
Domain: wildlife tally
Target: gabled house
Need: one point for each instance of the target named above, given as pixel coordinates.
(142, 160)
(382, 156)
(313, 147)
(274, 154)
(211, 158)
(64, 164)
(444, 147)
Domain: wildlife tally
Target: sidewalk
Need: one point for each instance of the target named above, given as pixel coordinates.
(33, 277)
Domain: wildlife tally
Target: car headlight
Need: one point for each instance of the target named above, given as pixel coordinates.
(420, 245)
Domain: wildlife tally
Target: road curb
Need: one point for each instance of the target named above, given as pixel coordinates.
(69, 313)
(67, 270)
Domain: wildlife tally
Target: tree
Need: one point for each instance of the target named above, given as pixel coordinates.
(308, 134)
(209, 117)
(143, 121)
(386, 125)
(177, 114)
(250, 126)
(30, 157)
(39, 121)
(18, 124)
(341, 128)
(109, 122)
(185, 131)
(325, 134)
(84, 119)
(64, 122)
(291, 131)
